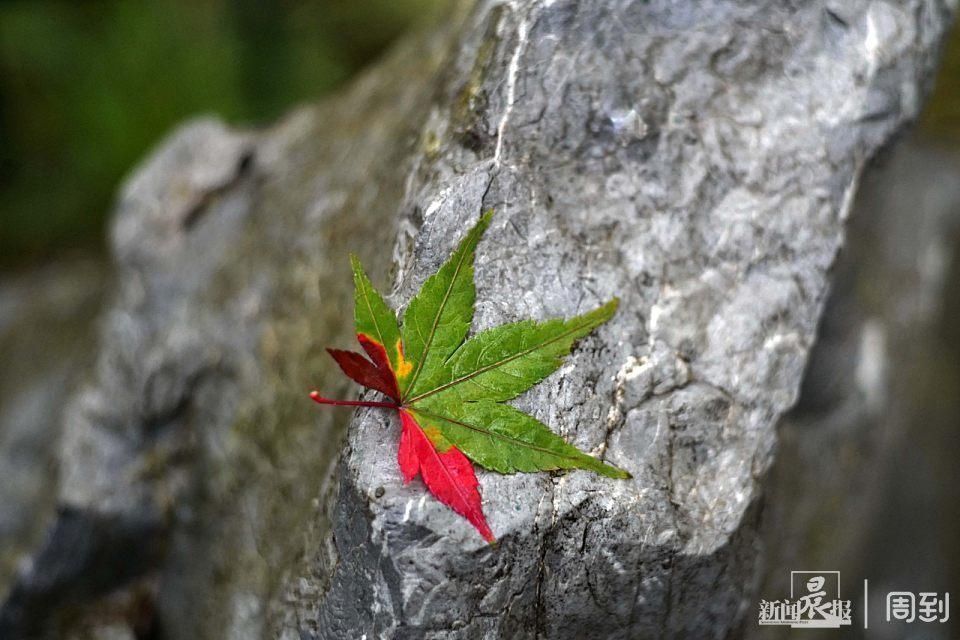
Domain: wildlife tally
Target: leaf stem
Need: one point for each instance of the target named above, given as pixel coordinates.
(316, 397)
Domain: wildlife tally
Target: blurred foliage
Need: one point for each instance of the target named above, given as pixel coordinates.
(941, 116)
(86, 88)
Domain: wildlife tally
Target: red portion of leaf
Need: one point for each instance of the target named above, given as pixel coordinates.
(448, 475)
(378, 354)
(407, 454)
(361, 370)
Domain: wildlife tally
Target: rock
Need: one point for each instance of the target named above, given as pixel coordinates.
(697, 160)
(194, 442)
(46, 325)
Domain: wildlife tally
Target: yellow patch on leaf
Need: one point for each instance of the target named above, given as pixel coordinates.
(436, 438)
(404, 366)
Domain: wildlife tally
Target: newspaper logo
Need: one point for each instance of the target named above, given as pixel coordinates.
(814, 603)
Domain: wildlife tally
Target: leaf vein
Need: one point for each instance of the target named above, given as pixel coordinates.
(499, 363)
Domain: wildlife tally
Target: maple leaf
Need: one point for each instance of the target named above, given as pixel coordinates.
(449, 389)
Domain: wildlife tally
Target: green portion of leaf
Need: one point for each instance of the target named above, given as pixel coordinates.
(438, 318)
(503, 439)
(503, 362)
(451, 389)
(374, 318)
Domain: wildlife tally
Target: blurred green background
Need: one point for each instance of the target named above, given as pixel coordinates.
(86, 88)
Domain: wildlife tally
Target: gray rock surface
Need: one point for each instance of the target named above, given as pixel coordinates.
(193, 442)
(696, 159)
(699, 161)
(46, 325)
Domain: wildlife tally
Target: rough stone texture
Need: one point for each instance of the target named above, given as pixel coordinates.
(698, 159)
